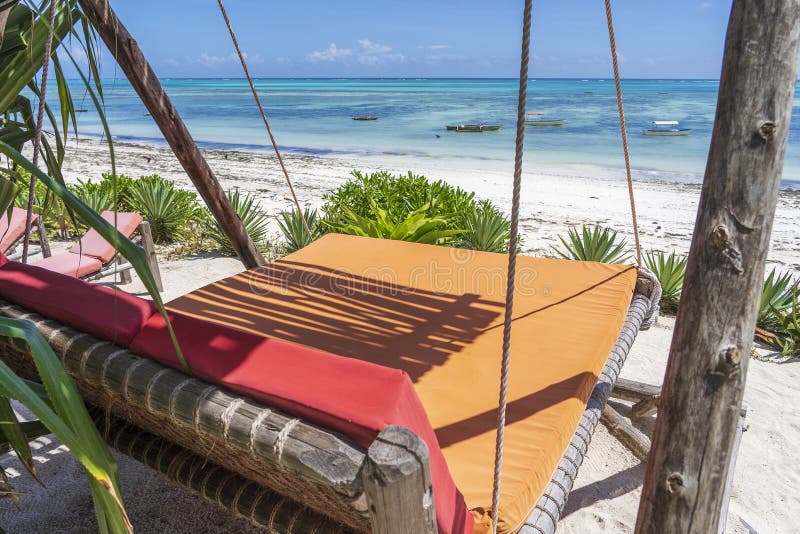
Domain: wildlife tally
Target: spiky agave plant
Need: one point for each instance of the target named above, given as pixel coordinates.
(167, 208)
(788, 329)
(776, 296)
(253, 216)
(294, 231)
(593, 243)
(485, 229)
(670, 271)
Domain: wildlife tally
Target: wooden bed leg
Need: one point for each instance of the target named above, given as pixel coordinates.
(44, 242)
(150, 252)
(626, 433)
(726, 499)
(397, 482)
(124, 274)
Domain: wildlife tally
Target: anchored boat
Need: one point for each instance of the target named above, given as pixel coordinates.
(666, 128)
(473, 127)
(534, 118)
(365, 118)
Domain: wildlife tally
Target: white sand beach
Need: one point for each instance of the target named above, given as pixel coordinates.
(765, 496)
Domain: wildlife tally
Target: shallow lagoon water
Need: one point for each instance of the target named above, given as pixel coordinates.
(314, 116)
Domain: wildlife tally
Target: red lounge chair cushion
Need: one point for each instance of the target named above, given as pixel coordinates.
(93, 244)
(100, 311)
(12, 231)
(350, 396)
(73, 265)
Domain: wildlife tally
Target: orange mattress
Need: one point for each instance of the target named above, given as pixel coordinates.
(437, 313)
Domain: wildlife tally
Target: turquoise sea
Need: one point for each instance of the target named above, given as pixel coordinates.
(314, 116)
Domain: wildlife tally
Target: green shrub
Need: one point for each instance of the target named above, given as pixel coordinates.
(295, 232)
(485, 229)
(418, 227)
(123, 189)
(788, 329)
(670, 271)
(398, 195)
(776, 295)
(168, 209)
(594, 244)
(255, 220)
(403, 195)
(93, 195)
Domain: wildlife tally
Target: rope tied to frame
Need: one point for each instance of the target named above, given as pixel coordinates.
(264, 117)
(623, 131)
(512, 260)
(37, 139)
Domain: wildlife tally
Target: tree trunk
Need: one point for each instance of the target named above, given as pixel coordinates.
(138, 71)
(704, 383)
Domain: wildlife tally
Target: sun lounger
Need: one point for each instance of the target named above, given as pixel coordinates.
(12, 231)
(93, 257)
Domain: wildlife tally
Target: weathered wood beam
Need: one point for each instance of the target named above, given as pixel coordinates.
(696, 426)
(143, 79)
(626, 433)
(633, 391)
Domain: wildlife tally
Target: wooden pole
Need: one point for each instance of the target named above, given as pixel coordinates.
(138, 71)
(397, 482)
(704, 382)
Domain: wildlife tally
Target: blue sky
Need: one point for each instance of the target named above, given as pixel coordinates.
(413, 38)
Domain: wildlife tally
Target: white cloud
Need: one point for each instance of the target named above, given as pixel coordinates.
(212, 60)
(439, 46)
(170, 61)
(621, 57)
(373, 59)
(705, 5)
(283, 60)
(332, 53)
(367, 53)
(368, 47)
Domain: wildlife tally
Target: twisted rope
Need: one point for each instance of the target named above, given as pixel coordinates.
(622, 130)
(37, 139)
(264, 117)
(512, 260)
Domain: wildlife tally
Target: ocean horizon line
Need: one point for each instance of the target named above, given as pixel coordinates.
(380, 78)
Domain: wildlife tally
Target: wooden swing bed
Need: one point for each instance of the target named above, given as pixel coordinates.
(352, 386)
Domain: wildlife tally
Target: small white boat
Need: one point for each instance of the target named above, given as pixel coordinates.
(544, 122)
(535, 118)
(666, 128)
(473, 127)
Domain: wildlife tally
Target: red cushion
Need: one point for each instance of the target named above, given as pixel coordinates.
(93, 244)
(101, 311)
(70, 264)
(350, 396)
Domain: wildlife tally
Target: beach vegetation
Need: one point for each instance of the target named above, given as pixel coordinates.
(253, 216)
(59, 409)
(168, 209)
(670, 270)
(788, 330)
(485, 229)
(294, 231)
(418, 226)
(776, 297)
(593, 243)
(479, 223)
(97, 198)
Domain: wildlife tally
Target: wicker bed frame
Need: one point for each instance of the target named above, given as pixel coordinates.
(278, 471)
